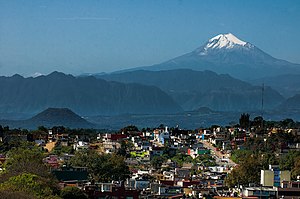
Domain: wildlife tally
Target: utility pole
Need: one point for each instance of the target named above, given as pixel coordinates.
(262, 105)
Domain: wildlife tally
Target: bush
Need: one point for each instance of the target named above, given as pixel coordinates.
(72, 192)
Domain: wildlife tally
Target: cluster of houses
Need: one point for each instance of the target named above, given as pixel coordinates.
(191, 179)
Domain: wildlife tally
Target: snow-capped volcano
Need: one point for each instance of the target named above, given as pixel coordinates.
(226, 53)
(223, 41)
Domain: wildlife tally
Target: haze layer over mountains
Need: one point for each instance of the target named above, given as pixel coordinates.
(224, 74)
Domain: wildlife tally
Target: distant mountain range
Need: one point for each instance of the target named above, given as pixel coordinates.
(84, 95)
(287, 85)
(194, 89)
(49, 118)
(202, 117)
(183, 90)
(292, 104)
(182, 78)
(227, 54)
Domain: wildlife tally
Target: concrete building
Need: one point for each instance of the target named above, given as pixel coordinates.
(273, 176)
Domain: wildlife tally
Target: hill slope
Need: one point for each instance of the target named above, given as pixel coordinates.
(194, 89)
(225, 53)
(292, 104)
(59, 117)
(84, 95)
(49, 118)
(288, 85)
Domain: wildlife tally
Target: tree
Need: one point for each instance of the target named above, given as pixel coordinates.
(180, 158)
(287, 123)
(9, 194)
(104, 167)
(258, 121)
(126, 145)
(245, 120)
(206, 160)
(238, 156)
(248, 171)
(287, 162)
(59, 149)
(130, 128)
(157, 161)
(72, 192)
(25, 160)
(43, 129)
(26, 175)
(34, 186)
(296, 168)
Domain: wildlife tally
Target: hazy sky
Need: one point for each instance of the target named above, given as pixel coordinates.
(82, 36)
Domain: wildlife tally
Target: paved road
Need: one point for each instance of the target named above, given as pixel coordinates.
(219, 156)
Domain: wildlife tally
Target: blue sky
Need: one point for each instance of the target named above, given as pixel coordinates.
(83, 36)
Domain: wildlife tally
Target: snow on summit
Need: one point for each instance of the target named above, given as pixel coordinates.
(223, 41)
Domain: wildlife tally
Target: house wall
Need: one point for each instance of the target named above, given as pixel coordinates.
(285, 176)
(267, 178)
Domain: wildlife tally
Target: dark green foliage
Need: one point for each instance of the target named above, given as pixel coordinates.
(124, 150)
(43, 129)
(26, 172)
(104, 167)
(248, 171)
(245, 120)
(72, 193)
(288, 161)
(157, 161)
(26, 160)
(130, 128)
(180, 158)
(257, 122)
(205, 160)
(296, 168)
(288, 123)
(28, 183)
(6, 146)
(58, 150)
(269, 158)
(273, 143)
(259, 154)
(15, 194)
(238, 156)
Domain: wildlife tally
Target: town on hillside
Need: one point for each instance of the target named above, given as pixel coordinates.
(252, 159)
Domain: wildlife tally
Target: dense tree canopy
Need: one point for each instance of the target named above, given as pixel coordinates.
(102, 167)
(157, 161)
(248, 171)
(29, 183)
(245, 120)
(26, 175)
(26, 160)
(72, 193)
(291, 162)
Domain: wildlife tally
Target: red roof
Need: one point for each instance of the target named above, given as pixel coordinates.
(116, 136)
(167, 182)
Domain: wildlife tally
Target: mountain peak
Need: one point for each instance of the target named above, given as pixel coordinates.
(225, 40)
(59, 117)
